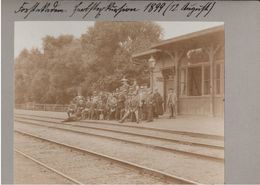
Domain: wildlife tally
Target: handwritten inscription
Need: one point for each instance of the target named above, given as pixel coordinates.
(98, 9)
(48, 7)
(190, 8)
(102, 8)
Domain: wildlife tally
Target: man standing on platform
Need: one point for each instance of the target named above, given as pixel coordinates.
(158, 104)
(149, 106)
(171, 103)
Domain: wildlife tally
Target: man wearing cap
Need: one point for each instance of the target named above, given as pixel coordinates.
(149, 106)
(158, 104)
(171, 103)
(125, 85)
(78, 98)
(71, 109)
(132, 105)
(121, 98)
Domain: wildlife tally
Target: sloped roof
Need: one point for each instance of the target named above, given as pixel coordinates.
(181, 41)
(189, 36)
(147, 52)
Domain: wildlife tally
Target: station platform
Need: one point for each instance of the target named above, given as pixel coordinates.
(183, 123)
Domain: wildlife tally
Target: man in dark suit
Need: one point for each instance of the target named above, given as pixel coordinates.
(157, 104)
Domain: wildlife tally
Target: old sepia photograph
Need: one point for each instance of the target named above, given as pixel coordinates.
(119, 102)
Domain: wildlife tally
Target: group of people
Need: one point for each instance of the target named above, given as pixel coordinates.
(128, 102)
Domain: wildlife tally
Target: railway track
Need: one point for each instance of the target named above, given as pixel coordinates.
(75, 129)
(74, 181)
(136, 132)
(192, 134)
(169, 178)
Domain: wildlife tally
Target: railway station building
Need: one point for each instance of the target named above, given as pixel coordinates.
(193, 65)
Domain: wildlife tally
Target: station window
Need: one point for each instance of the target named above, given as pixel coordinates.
(206, 80)
(194, 81)
(183, 82)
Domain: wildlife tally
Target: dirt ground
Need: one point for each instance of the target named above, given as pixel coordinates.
(82, 167)
(142, 139)
(29, 172)
(188, 123)
(187, 167)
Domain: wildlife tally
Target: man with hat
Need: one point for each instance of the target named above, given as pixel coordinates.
(149, 105)
(132, 105)
(171, 102)
(158, 104)
(125, 85)
(121, 98)
(93, 108)
(71, 108)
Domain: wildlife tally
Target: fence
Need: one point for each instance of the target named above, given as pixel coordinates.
(43, 107)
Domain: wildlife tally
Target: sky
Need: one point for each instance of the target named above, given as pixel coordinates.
(29, 34)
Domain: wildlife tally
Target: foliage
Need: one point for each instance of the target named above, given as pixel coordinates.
(96, 61)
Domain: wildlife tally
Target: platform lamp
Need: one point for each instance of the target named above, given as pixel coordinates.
(152, 62)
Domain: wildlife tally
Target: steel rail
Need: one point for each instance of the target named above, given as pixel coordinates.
(201, 135)
(48, 167)
(150, 171)
(203, 156)
(135, 134)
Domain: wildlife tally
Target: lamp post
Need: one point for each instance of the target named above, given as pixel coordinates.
(151, 66)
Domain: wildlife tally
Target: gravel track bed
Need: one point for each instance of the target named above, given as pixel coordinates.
(191, 168)
(142, 125)
(35, 174)
(166, 135)
(82, 167)
(189, 148)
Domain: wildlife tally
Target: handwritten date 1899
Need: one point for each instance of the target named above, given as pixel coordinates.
(154, 7)
(188, 8)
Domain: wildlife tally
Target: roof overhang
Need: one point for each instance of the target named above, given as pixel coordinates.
(145, 54)
(214, 34)
(185, 42)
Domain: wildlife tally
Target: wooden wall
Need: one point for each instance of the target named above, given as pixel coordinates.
(200, 106)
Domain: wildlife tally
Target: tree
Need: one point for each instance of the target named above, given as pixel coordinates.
(109, 46)
(96, 61)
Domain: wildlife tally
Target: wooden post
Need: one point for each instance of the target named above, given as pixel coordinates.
(203, 79)
(177, 83)
(151, 79)
(211, 51)
(178, 55)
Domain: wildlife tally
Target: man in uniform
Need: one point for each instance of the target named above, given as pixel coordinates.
(133, 87)
(80, 108)
(120, 105)
(112, 104)
(75, 111)
(158, 104)
(92, 112)
(71, 109)
(149, 106)
(124, 86)
(132, 105)
(86, 112)
(77, 99)
(171, 103)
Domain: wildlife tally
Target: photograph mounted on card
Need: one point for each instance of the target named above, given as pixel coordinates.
(119, 91)
(126, 92)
